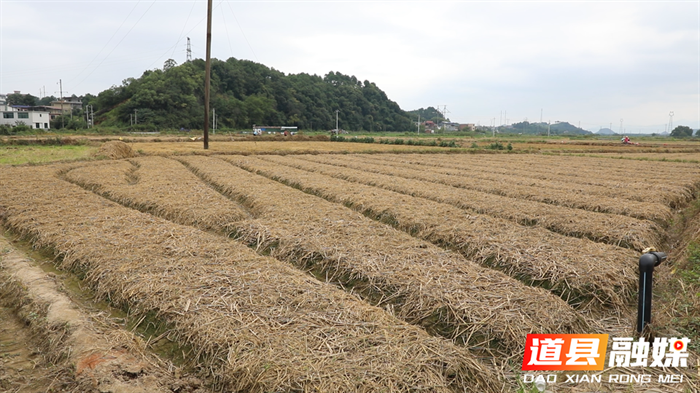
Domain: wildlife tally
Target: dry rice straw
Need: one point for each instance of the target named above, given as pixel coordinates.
(258, 325)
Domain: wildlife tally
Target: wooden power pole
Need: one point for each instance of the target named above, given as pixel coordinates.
(207, 78)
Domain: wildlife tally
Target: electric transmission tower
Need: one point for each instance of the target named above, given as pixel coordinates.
(189, 50)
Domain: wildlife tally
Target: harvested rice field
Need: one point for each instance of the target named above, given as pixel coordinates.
(383, 272)
(693, 157)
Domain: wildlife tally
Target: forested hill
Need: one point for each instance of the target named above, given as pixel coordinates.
(244, 93)
(428, 113)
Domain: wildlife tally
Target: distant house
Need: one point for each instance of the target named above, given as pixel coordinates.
(54, 111)
(21, 114)
(67, 104)
(448, 126)
(467, 127)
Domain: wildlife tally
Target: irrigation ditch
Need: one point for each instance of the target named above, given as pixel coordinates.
(55, 337)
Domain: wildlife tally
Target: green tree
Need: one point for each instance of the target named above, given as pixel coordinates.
(682, 131)
(170, 63)
(46, 101)
(22, 99)
(426, 114)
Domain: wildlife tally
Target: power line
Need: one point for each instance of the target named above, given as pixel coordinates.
(118, 43)
(108, 41)
(228, 36)
(183, 29)
(242, 32)
(187, 33)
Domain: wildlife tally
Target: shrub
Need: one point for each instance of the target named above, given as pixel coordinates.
(6, 129)
(496, 146)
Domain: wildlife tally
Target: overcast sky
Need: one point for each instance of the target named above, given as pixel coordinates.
(593, 62)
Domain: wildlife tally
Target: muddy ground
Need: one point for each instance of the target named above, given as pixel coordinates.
(50, 342)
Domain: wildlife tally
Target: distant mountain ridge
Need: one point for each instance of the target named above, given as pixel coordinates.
(558, 128)
(606, 131)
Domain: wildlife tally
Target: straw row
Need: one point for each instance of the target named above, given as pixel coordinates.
(631, 174)
(516, 174)
(616, 173)
(600, 227)
(575, 269)
(137, 184)
(534, 190)
(255, 324)
(424, 284)
(643, 210)
(634, 172)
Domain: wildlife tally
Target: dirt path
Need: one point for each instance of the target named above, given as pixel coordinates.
(17, 358)
(47, 343)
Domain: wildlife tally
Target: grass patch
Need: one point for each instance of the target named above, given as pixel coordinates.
(687, 319)
(18, 155)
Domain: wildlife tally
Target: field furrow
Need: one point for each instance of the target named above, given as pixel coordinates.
(600, 227)
(642, 210)
(463, 165)
(424, 284)
(637, 173)
(255, 324)
(578, 270)
(136, 184)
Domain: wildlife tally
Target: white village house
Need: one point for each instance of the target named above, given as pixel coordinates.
(33, 117)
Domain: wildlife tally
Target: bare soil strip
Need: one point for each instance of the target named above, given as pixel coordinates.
(424, 284)
(76, 352)
(672, 196)
(577, 270)
(642, 210)
(255, 324)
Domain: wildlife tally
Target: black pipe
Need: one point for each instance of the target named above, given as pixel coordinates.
(647, 262)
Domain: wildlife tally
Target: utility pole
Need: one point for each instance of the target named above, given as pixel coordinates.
(549, 126)
(214, 120)
(418, 128)
(89, 115)
(136, 118)
(337, 129)
(207, 78)
(60, 84)
(621, 125)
